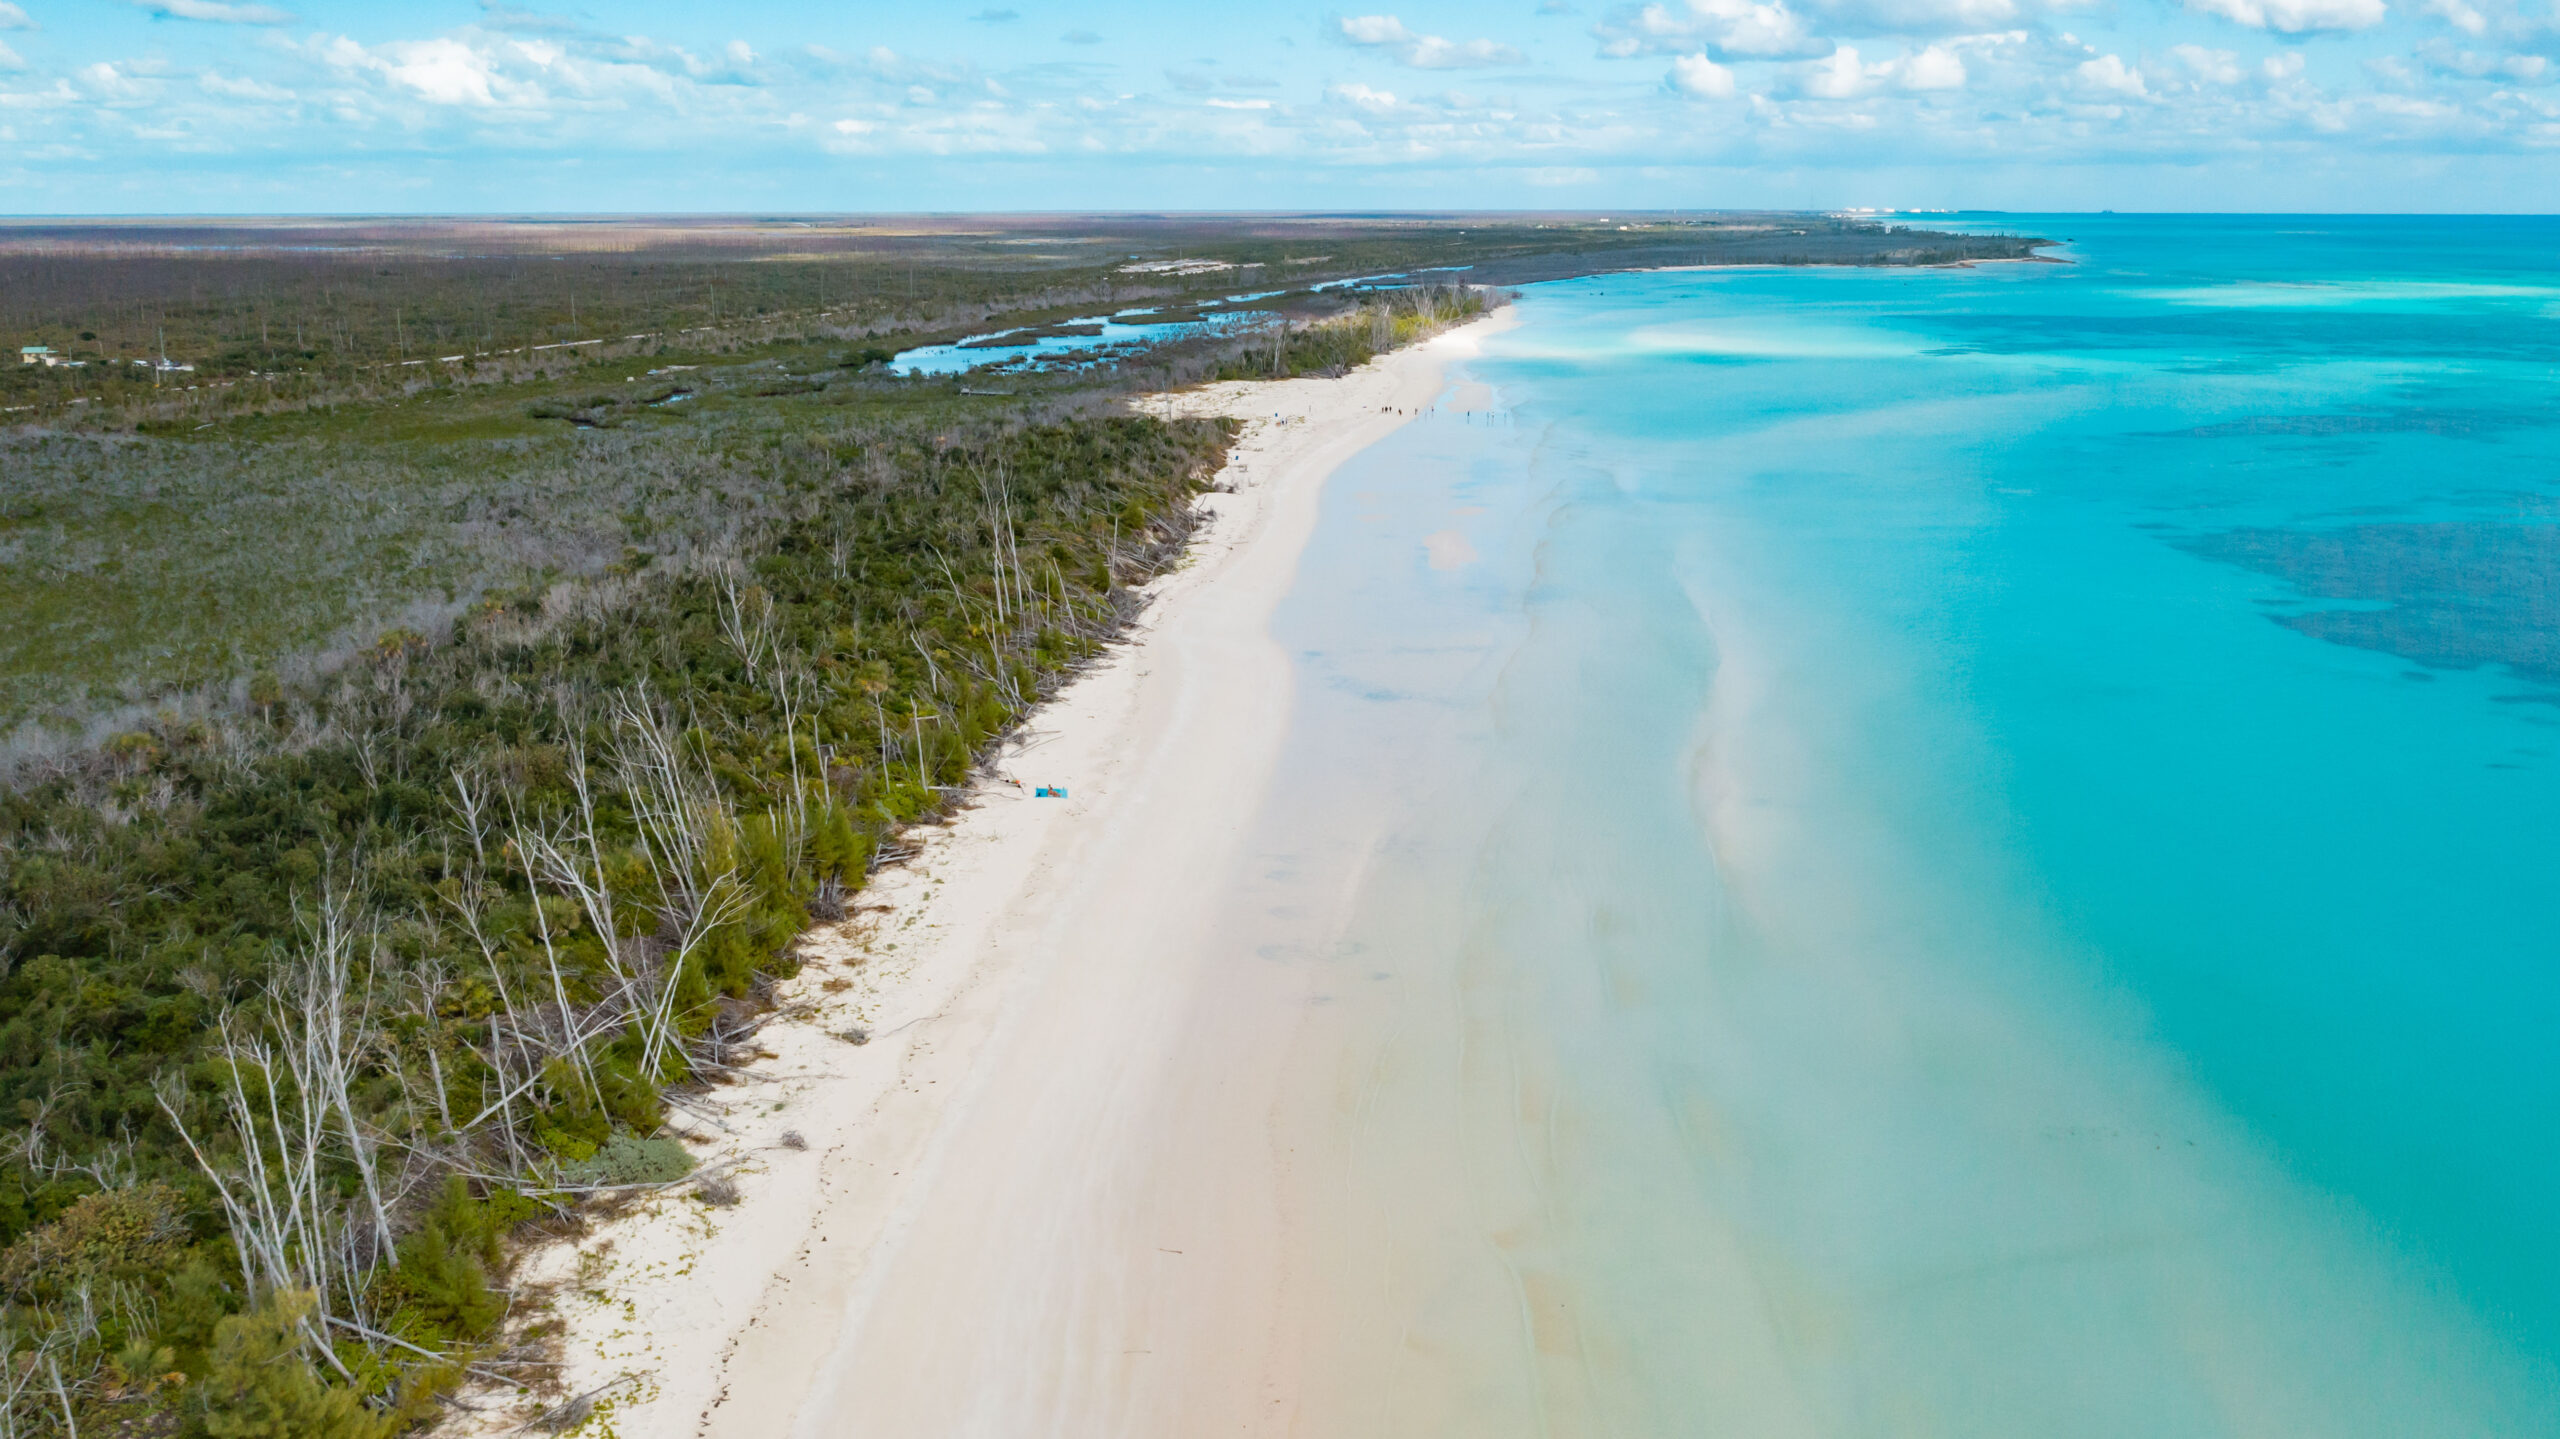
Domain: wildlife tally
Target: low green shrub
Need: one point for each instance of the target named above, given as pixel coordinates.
(630, 1159)
(259, 1384)
(109, 1234)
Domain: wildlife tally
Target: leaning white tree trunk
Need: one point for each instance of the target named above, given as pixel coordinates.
(290, 1100)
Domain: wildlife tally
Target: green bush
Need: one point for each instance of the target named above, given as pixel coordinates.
(445, 1263)
(259, 1384)
(630, 1159)
(111, 1234)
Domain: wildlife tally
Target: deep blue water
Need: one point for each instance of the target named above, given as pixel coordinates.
(2018, 808)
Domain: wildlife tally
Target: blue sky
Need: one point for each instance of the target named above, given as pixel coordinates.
(267, 106)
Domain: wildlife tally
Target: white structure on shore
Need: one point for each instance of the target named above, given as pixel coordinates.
(44, 355)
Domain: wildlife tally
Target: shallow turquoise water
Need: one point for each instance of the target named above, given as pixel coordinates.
(2011, 818)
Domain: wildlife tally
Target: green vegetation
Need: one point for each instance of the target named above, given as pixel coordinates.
(152, 574)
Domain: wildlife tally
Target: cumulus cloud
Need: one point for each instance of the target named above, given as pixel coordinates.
(2282, 65)
(1844, 75)
(1935, 68)
(217, 11)
(112, 84)
(1698, 76)
(1423, 52)
(14, 18)
(2109, 74)
(443, 72)
(474, 70)
(2294, 17)
(1839, 78)
(1367, 101)
(2460, 16)
(1757, 29)
(9, 58)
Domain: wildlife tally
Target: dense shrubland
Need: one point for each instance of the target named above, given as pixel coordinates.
(309, 1001)
(152, 573)
(140, 568)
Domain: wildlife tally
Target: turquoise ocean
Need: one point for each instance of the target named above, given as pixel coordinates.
(1952, 852)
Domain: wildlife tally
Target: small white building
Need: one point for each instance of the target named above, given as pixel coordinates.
(37, 355)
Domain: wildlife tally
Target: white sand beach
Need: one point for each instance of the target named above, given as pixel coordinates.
(1042, 1198)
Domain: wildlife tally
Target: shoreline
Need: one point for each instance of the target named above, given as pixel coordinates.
(1007, 1004)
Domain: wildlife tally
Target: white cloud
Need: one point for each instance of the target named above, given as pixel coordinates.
(475, 70)
(2214, 67)
(1844, 76)
(14, 18)
(1936, 68)
(2295, 17)
(1839, 78)
(1424, 52)
(1701, 77)
(217, 11)
(2460, 16)
(110, 84)
(443, 72)
(2109, 73)
(2282, 65)
(1760, 29)
(1362, 98)
(1239, 104)
(9, 58)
